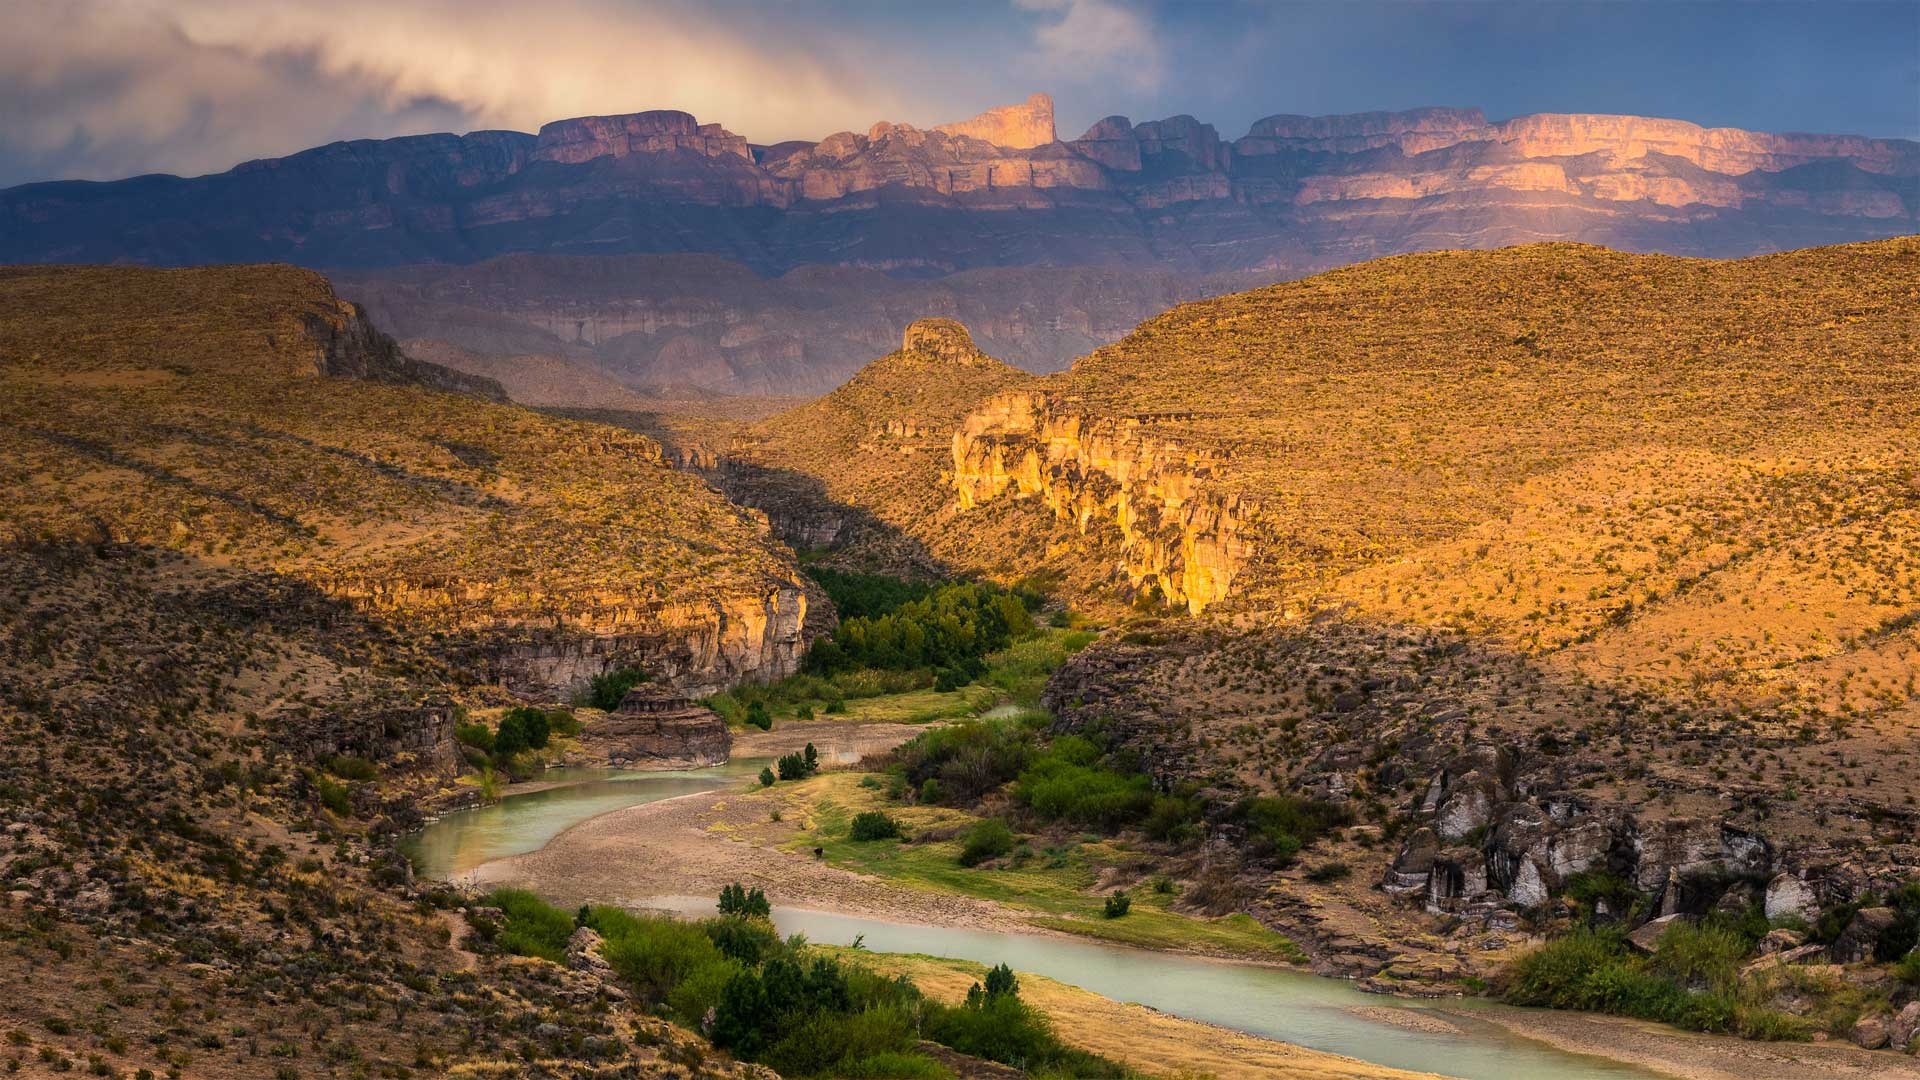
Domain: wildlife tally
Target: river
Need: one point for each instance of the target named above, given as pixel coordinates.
(1308, 1010)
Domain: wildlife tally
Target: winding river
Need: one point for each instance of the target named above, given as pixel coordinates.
(1308, 1010)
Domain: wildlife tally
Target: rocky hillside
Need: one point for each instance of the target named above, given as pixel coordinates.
(255, 565)
(862, 470)
(1559, 559)
(705, 322)
(1294, 193)
(201, 412)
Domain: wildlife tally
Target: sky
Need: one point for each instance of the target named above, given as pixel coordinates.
(98, 89)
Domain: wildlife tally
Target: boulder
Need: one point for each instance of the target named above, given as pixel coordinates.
(1788, 897)
(1779, 941)
(1858, 941)
(1648, 935)
(1870, 1032)
(1904, 1029)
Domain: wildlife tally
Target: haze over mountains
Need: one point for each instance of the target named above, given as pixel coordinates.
(990, 198)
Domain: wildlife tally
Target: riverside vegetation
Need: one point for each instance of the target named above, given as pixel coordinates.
(805, 1012)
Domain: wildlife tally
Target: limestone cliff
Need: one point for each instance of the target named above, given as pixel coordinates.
(1021, 126)
(1176, 536)
(1293, 195)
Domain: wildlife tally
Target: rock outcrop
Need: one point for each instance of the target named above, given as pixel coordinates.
(1023, 126)
(656, 728)
(1174, 535)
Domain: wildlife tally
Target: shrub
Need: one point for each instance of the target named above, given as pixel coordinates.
(748, 939)
(654, 954)
(874, 825)
(332, 794)
(766, 776)
(1068, 783)
(739, 902)
(349, 767)
(759, 716)
(988, 838)
(478, 736)
(533, 927)
(521, 729)
(1289, 823)
(1907, 969)
(606, 691)
(1330, 871)
(1118, 905)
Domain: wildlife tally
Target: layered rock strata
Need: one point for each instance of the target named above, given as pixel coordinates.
(1294, 194)
(1174, 534)
(656, 728)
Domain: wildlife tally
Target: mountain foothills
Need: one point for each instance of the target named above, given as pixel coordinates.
(790, 298)
(1557, 565)
(593, 331)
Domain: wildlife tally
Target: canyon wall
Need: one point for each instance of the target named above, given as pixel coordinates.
(1173, 533)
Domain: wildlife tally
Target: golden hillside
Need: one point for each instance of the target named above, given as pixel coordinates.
(196, 410)
(861, 469)
(1690, 476)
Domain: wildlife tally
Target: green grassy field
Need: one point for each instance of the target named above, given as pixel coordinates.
(1053, 881)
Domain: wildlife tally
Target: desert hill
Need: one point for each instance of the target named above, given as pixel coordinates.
(1585, 561)
(195, 411)
(256, 565)
(861, 469)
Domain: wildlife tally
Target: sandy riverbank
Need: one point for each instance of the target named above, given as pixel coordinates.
(1689, 1055)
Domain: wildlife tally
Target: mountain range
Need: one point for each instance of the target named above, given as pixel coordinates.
(1151, 205)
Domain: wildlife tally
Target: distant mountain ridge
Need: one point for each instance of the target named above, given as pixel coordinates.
(1295, 194)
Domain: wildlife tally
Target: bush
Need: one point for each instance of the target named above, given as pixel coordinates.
(988, 838)
(759, 716)
(799, 766)
(333, 795)
(951, 627)
(766, 776)
(533, 927)
(1289, 823)
(1068, 783)
(606, 691)
(1118, 905)
(654, 954)
(1002, 1027)
(1907, 969)
(738, 902)
(748, 939)
(1334, 870)
(349, 767)
(521, 729)
(478, 736)
(874, 825)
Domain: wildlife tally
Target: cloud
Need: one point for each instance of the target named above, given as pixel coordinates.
(1097, 41)
(102, 88)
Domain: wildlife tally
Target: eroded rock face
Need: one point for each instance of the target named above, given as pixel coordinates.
(1296, 193)
(657, 728)
(1021, 126)
(1173, 533)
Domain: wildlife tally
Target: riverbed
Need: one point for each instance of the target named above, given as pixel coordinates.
(1312, 1011)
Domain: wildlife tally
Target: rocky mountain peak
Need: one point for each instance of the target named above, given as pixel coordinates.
(942, 338)
(1019, 127)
